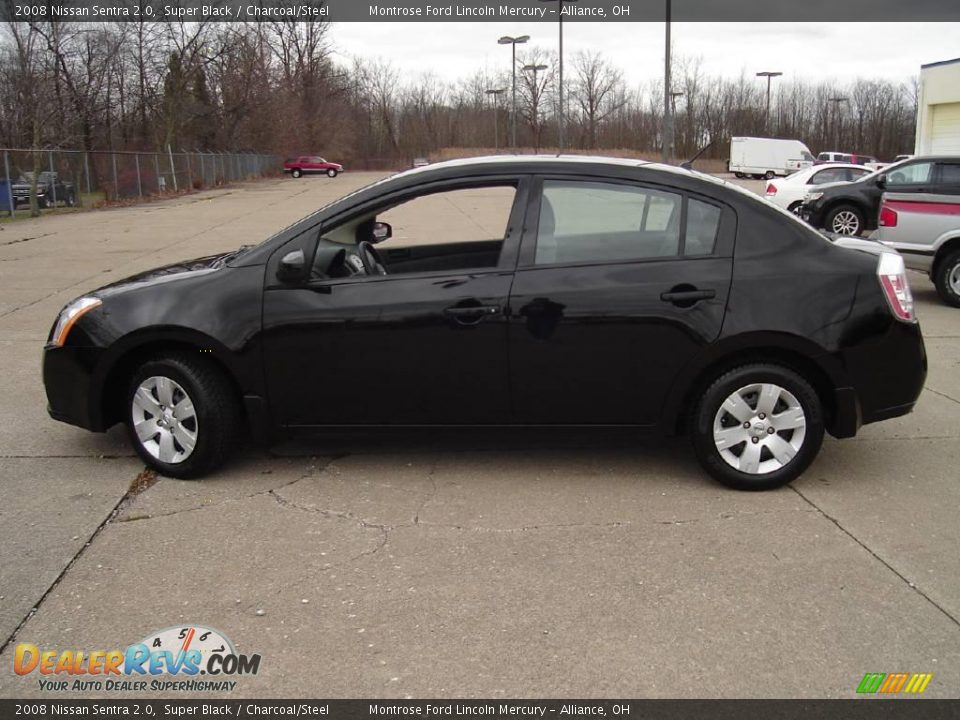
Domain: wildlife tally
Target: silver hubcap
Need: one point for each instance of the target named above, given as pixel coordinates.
(845, 223)
(954, 279)
(759, 429)
(165, 420)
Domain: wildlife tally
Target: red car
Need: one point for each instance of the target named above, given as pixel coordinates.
(311, 164)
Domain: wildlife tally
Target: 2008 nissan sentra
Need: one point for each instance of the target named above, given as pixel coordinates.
(509, 291)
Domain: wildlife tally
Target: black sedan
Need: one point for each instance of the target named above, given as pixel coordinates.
(526, 291)
(853, 208)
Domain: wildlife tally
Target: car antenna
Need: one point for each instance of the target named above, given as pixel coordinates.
(688, 165)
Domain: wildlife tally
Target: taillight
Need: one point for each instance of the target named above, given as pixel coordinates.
(888, 217)
(893, 279)
(771, 189)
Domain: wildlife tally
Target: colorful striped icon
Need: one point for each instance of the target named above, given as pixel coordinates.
(893, 683)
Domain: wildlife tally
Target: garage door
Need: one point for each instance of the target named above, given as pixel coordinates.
(945, 128)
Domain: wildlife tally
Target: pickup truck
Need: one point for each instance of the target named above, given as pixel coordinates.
(51, 190)
(925, 229)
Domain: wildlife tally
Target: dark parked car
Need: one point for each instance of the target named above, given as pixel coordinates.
(583, 292)
(51, 190)
(854, 208)
(311, 164)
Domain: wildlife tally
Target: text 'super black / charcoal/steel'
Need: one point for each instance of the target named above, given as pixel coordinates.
(616, 293)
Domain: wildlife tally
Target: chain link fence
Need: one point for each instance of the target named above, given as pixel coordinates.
(78, 178)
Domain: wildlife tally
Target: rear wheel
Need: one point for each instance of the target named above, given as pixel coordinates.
(947, 279)
(184, 416)
(770, 175)
(757, 427)
(795, 207)
(845, 220)
(296, 172)
(739, 175)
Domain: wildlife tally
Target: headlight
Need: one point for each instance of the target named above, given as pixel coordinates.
(69, 315)
(810, 197)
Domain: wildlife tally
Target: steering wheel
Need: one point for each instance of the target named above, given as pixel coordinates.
(370, 258)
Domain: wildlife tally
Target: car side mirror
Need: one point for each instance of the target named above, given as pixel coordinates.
(380, 231)
(292, 267)
(881, 181)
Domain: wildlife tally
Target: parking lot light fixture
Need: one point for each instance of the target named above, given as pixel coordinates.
(769, 75)
(561, 109)
(513, 42)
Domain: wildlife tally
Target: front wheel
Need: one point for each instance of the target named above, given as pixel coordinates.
(770, 175)
(296, 172)
(739, 175)
(845, 220)
(331, 173)
(757, 427)
(183, 417)
(947, 279)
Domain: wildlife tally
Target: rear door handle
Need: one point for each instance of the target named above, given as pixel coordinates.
(687, 296)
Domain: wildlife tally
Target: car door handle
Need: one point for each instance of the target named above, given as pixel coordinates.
(685, 297)
(470, 314)
(471, 310)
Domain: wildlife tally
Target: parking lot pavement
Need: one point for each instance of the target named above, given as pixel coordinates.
(443, 565)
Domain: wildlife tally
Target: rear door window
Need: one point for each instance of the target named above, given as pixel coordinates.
(611, 222)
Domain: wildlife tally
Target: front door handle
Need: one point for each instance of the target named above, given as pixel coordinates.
(471, 314)
(687, 295)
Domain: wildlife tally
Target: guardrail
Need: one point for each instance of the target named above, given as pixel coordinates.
(92, 178)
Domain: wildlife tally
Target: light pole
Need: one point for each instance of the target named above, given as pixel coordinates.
(673, 114)
(535, 96)
(513, 42)
(561, 108)
(667, 118)
(496, 93)
(836, 118)
(769, 75)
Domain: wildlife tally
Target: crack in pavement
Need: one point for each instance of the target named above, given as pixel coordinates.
(313, 469)
(877, 557)
(136, 486)
(340, 515)
(431, 475)
(943, 395)
(26, 239)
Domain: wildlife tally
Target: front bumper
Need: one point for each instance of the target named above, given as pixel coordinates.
(812, 213)
(68, 381)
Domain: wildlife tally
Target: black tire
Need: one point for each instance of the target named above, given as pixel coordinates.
(949, 268)
(296, 172)
(836, 216)
(43, 202)
(218, 413)
(770, 175)
(795, 207)
(739, 176)
(71, 200)
(331, 173)
(707, 413)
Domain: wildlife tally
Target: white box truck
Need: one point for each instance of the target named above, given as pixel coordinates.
(767, 157)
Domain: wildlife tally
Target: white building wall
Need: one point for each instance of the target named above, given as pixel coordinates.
(940, 97)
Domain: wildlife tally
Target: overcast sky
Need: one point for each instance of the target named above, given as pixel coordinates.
(808, 51)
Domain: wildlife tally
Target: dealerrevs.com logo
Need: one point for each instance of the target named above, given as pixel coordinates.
(184, 658)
